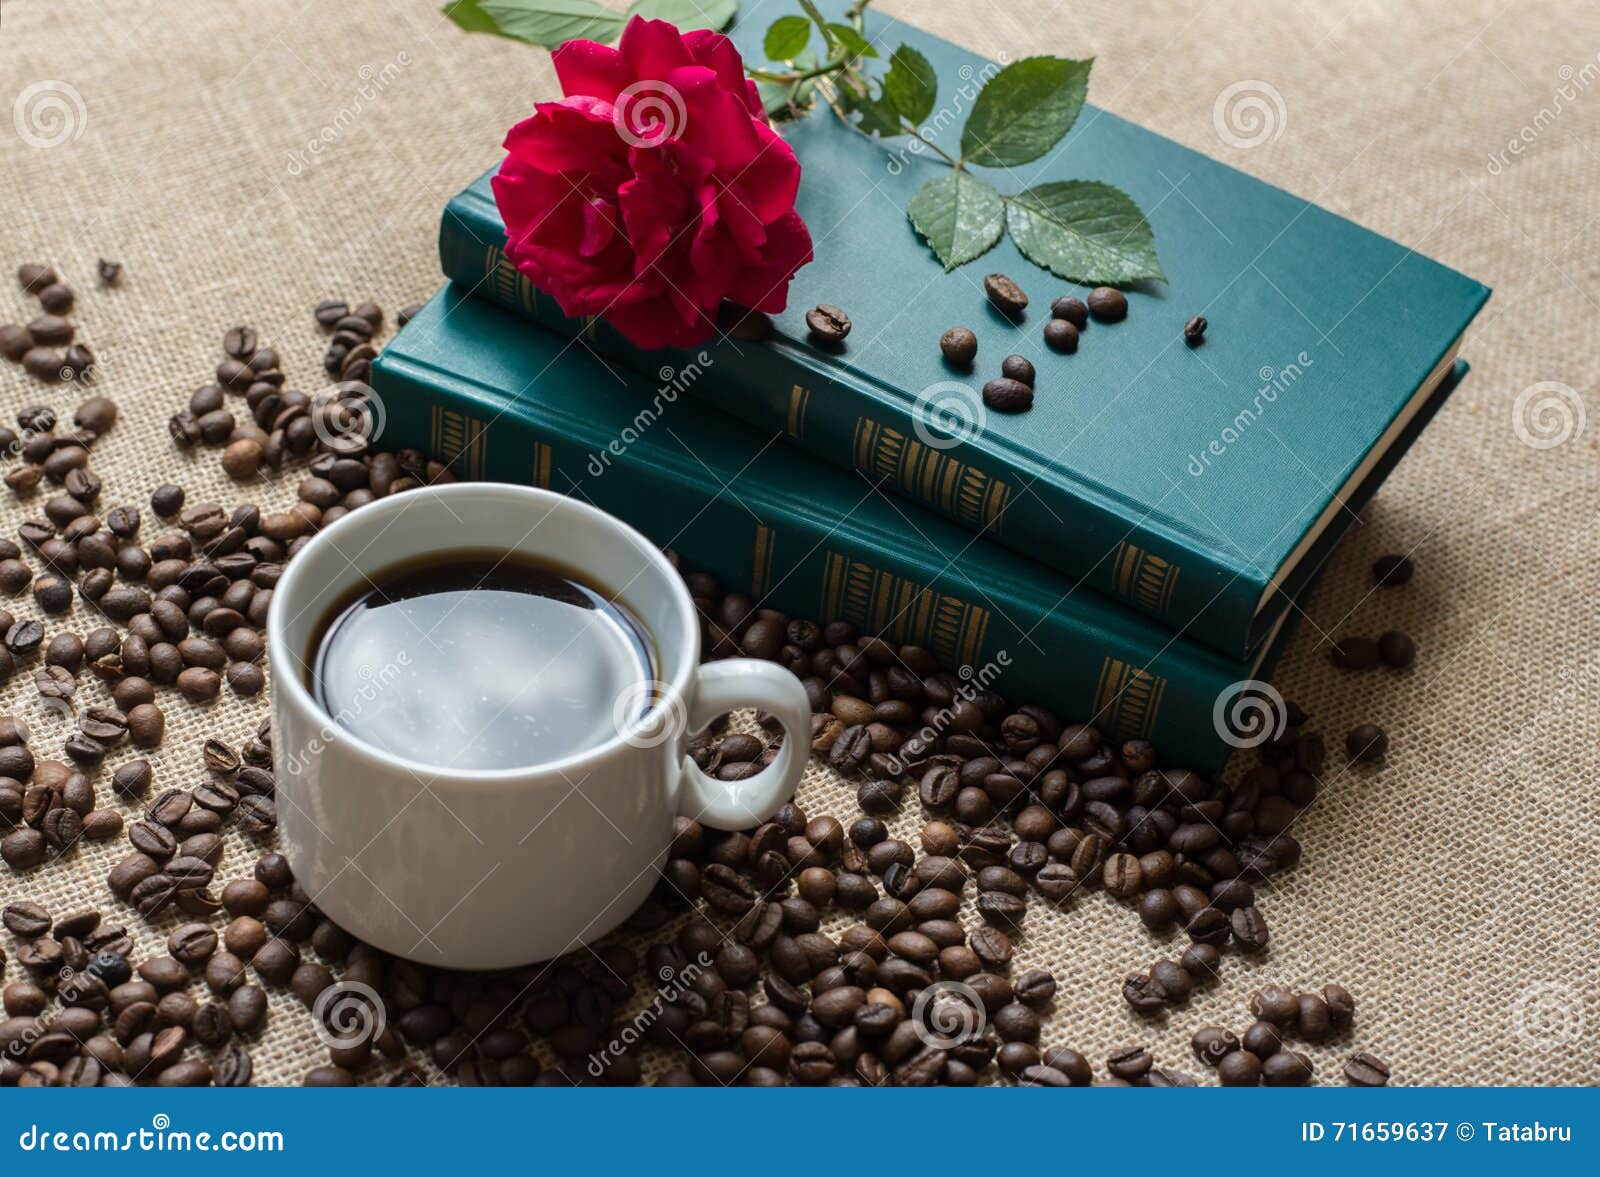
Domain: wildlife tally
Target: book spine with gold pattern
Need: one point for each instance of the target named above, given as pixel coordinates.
(503, 401)
(822, 407)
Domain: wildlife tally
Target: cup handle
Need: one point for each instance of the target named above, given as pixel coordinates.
(747, 682)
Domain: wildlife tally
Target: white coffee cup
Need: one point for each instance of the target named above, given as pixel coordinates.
(492, 869)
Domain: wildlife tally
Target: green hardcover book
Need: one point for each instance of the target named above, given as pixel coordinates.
(501, 400)
(1190, 484)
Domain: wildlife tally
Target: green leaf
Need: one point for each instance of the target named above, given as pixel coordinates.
(878, 115)
(1084, 231)
(851, 41)
(687, 14)
(911, 84)
(546, 23)
(810, 8)
(780, 104)
(469, 16)
(959, 215)
(1024, 110)
(787, 38)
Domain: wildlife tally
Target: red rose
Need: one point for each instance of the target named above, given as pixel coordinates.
(655, 189)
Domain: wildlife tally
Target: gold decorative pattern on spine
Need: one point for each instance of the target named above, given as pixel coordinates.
(959, 490)
(459, 441)
(799, 398)
(903, 611)
(761, 563)
(505, 284)
(1127, 700)
(541, 465)
(1145, 579)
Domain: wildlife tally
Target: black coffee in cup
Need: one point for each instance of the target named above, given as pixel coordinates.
(474, 660)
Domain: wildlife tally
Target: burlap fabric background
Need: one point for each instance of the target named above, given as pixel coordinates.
(1452, 891)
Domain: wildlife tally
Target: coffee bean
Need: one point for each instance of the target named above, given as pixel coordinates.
(57, 298)
(1275, 1004)
(1287, 1068)
(1341, 1005)
(1034, 987)
(166, 501)
(35, 276)
(153, 895)
(1392, 571)
(275, 961)
(53, 594)
(1194, 331)
(1355, 653)
(242, 459)
(1249, 928)
(1239, 1069)
(1211, 1044)
(1174, 979)
(959, 346)
(1061, 335)
(1121, 876)
(1018, 368)
(15, 342)
(1108, 304)
(850, 751)
(240, 343)
(257, 814)
(1143, 994)
(1209, 925)
(51, 331)
(26, 920)
(1366, 1070)
(62, 827)
(44, 364)
(24, 637)
(827, 324)
(212, 1026)
(1262, 1040)
(1396, 649)
(1005, 294)
(1005, 395)
(1367, 742)
(22, 849)
(247, 1008)
(1158, 910)
(199, 684)
(1313, 1019)
(146, 726)
(192, 944)
(100, 825)
(272, 870)
(309, 980)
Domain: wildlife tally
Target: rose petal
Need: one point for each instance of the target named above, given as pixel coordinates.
(587, 67)
(574, 135)
(717, 53)
(770, 178)
(652, 49)
(654, 324)
(766, 287)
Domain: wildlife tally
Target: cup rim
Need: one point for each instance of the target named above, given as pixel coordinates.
(289, 688)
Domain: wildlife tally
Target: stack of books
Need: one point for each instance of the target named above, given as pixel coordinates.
(1129, 551)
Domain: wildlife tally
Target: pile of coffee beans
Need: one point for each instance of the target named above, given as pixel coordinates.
(812, 949)
(1260, 1054)
(1012, 391)
(45, 347)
